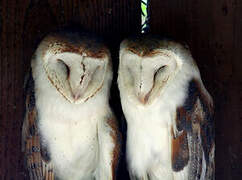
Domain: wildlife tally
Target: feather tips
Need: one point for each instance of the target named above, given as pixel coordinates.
(180, 152)
(37, 167)
(195, 118)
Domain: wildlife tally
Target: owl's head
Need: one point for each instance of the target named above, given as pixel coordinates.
(148, 65)
(75, 64)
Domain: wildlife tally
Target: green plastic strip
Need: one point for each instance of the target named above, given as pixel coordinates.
(144, 16)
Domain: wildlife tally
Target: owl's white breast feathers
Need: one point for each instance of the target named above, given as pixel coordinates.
(149, 130)
(149, 126)
(70, 130)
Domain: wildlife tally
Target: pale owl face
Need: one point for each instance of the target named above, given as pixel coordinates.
(145, 69)
(76, 69)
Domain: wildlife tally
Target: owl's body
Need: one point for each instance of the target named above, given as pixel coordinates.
(70, 135)
(148, 137)
(72, 131)
(157, 104)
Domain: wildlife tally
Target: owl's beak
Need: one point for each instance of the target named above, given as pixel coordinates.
(76, 96)
(143, 98)
(78, 87)
(76, 93)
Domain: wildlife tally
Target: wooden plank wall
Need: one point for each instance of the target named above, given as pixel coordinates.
(22, 24)
(211, 28)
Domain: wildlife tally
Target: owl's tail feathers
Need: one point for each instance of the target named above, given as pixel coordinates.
(48, 171)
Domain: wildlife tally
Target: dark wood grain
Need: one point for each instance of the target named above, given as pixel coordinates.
(212, 29)
(22, 25)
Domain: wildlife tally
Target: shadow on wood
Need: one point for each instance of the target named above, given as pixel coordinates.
(211, 29)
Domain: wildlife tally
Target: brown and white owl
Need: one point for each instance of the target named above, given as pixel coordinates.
(69, 130)
(169, 112)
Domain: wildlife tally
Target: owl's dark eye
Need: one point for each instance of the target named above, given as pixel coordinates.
(159, 70)
(162, 68)
(63, 64)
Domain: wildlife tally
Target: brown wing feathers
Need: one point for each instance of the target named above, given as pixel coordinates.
(116, 137)
(31, 144)
(194, 118)
(180, 152)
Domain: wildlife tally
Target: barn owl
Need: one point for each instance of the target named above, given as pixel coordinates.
(69, 131)
(169, 112)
